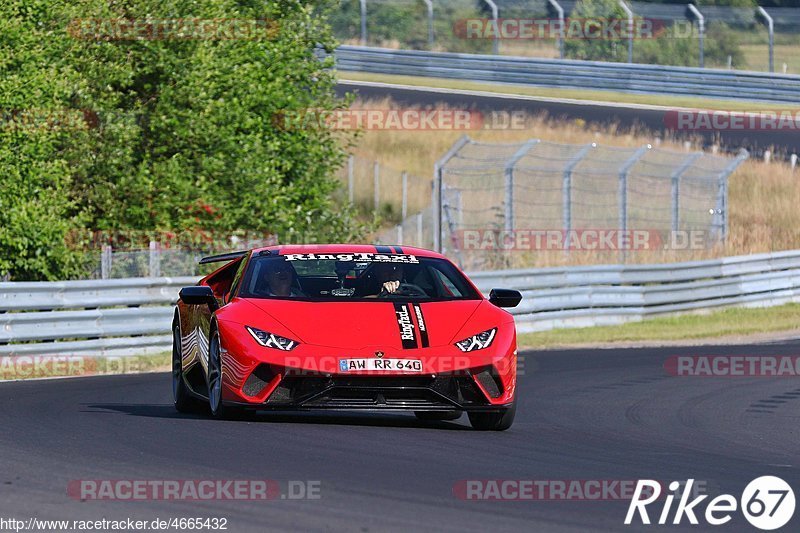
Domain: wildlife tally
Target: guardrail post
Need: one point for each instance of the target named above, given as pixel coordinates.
(623, 189)
(701, 24)
(793, 161)
(560, 11)
(722, 193)
(509, 182)
(155, 259)
(376, 179)
(105, 262)
(566, 187)
(438, 185)
(429, 4)
(419, 230)
(629, 14)
(363, 4)
(676, 188)
(496, 43)
(771, 29)
(350, 179)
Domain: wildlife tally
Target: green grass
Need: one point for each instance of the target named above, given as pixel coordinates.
(575, 94)
(757, 57)
(725, 323)
(30, 367)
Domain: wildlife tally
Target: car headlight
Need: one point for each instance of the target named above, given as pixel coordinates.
(270, 340)
(477, 342)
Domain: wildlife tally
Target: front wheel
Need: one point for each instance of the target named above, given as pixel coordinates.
(498, 421)
(218, 409)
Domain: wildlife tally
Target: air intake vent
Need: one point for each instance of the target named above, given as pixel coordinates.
(490, 382)
(259, 379)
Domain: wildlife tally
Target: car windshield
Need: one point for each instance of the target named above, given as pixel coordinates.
(354, 277)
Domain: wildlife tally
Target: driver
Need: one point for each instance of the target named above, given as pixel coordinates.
(388, 276)
(281, 276)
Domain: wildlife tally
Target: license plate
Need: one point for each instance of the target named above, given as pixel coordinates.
(380, 365)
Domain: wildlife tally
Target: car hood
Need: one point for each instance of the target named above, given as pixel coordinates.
(357, 325)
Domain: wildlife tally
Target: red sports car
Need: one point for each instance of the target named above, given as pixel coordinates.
(349, 327)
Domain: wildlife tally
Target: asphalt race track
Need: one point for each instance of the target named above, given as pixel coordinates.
(783, 142)
(584, 414)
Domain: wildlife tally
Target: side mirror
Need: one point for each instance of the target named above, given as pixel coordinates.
(199, 295)
(505, 297)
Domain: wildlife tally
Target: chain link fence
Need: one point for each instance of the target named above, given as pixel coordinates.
(490, 199)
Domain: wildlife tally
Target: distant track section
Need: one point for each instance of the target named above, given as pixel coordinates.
(648, 117)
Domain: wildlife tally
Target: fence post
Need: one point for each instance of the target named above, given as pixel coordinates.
(155, 259)
(793, 161)
(105, 262)
(496, 42)
(701, 24)
(676, 188)
(363, 22)
(419, 231)
(722, 192)
(376, 177)
(629, 14)
(771, 29)
(404, 206)
(429, 4)
(623, 189)
(351, 179)
(566, 187)
(560, 11)
(438, 184)
(509, 183)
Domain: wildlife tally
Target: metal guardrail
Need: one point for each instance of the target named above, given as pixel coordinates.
(88, 317)
(132, 316)
(613, 294)
(573, 74)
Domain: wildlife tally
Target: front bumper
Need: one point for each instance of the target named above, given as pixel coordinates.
(383, 393)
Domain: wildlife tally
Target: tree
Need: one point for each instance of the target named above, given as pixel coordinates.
(182, 133)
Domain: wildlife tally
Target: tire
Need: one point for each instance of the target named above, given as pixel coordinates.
(497, 421)
(216, 406)
(181, 397)
(436, 416)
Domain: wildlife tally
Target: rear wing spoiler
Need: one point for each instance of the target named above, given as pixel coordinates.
(222, 257)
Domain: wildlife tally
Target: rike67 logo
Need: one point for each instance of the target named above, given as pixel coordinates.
(767, 503)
